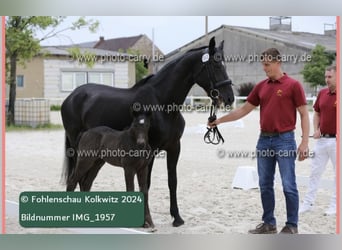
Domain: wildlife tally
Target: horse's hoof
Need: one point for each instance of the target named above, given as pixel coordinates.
(178, 222)
(148, 224)
(152, 230)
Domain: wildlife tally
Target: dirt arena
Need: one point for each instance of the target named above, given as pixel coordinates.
(207, 201)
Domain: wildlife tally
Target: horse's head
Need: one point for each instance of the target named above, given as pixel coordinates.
(210, 73)
(140, 127)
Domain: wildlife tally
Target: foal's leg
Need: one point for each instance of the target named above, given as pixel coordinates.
(149, 171)
(82, 166)
(71, 183)
(172, 159)
(87, 181)
(129, 178)
(142, 180)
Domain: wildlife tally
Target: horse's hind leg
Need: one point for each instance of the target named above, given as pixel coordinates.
(172, 159)
(142, 180)
(82, 166)
(87, 181)
(71, 185)
(74, 177)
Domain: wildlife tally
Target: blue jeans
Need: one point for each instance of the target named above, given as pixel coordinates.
(279, 149)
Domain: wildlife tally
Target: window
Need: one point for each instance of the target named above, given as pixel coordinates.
(106, 78)
(20, 81)
(71, 80)
(94, 77)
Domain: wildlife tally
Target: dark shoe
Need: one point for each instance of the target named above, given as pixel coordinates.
(289, 230)
(264, 228)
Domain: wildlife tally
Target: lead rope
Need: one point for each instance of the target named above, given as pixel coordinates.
(213, 135)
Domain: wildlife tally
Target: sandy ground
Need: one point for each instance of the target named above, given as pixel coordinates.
(207, 201)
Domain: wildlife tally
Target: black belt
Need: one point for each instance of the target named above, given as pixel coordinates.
(272, 134)
(328, 135)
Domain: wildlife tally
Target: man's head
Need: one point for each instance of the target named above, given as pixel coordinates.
(271, 62)
(330, 77)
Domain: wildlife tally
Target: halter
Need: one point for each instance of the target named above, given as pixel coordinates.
(213, 135)
(214, 85)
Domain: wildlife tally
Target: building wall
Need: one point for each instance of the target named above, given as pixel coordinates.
(144, 46)
(124, 74)
(33, 79)
(242, 50)
(131, 74)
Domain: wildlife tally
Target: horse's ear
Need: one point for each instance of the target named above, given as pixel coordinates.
(221, 45)
(212, 44)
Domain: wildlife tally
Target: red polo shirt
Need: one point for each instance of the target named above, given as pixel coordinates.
(278, 101)
(325, 105)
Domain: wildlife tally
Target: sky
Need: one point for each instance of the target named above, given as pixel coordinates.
(172, 32)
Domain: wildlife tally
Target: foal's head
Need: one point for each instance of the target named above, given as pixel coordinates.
(140, 127)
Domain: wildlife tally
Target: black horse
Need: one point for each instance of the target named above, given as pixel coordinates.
(93, 105)
(128, 149)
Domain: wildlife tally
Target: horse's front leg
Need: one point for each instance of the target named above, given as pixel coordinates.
(129, 178)
(172, 160)
(142, 180)
(149, 172)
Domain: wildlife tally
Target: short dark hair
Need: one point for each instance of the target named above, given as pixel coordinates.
(330, 68)
(271, 54)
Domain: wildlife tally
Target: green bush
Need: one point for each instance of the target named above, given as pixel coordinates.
(245, 88)
(55, 107)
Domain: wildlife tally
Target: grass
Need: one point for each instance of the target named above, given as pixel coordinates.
(49, 126)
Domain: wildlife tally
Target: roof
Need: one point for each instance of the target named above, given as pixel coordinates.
(303, 40)
(87, 44)
(116, 44)
(63, 51)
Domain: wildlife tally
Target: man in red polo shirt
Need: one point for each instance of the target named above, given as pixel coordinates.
(279, 97)
(324, 123)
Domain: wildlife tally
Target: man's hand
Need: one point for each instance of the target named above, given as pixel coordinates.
(213, 123)
(317, 134)
(303, 151)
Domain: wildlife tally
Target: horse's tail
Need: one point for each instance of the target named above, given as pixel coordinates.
(69, 160)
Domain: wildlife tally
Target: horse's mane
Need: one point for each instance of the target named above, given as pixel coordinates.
(147, 78)
(195, 49)
(142, 81)
(176, 60)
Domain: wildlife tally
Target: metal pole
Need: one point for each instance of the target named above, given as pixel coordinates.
(206, 30)
(152, 60)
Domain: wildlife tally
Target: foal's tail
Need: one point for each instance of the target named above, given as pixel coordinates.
(69, 160)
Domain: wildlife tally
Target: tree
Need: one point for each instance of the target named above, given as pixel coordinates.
(314, 69)
(141, 64)
(22, 44)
